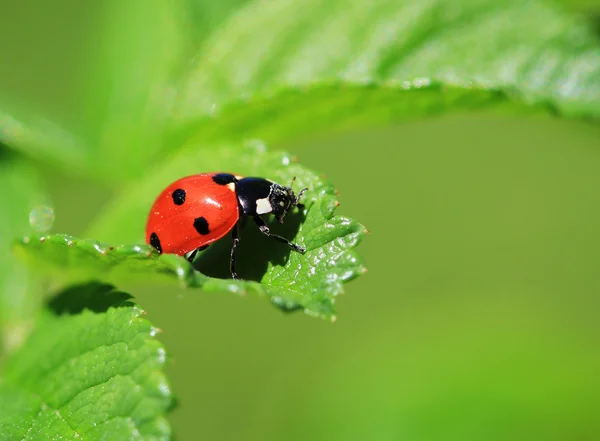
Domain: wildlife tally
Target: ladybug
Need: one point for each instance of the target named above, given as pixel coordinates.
(195, 211)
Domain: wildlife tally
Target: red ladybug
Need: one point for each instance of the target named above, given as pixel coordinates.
(193, 212)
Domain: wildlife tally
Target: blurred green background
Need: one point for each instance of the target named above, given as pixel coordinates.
(477, 320)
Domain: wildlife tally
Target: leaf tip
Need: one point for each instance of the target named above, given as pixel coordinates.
(154, 331)
(138, 312)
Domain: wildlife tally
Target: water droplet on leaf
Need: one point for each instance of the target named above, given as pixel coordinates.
(41, 218)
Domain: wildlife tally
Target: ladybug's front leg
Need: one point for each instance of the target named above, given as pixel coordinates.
(236, 241)
(265, 230)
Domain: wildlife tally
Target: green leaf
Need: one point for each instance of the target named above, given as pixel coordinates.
(125, 95)
(278, 70)
(138, 54)
(91, 370)
(40, 138)
(19, 289)
(207, 16)
(292, 281)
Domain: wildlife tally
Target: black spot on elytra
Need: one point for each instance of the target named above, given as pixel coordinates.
(223, 178)
(201, 226)
(155, 242)
(178, 196)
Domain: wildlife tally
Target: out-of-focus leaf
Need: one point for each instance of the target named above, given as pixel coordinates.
(129, 87)
(282, 68)
(40, 138)
(22, 192)
(206, 16)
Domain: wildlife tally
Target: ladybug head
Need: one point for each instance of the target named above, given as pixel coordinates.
(282, 199)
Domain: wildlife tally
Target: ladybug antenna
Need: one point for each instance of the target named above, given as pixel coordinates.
(304, 190)
(296, 198)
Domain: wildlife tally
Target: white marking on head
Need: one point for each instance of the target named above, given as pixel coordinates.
(231, 186)
(263, 206)
(238, 177)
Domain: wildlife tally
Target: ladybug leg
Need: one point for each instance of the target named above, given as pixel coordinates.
(265, 230)
(190, 257)
(236, 240)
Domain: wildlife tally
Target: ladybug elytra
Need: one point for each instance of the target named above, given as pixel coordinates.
(195, 211)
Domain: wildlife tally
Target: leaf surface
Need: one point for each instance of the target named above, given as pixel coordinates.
(129, 85)
(279, 69)
(207, 16)
(89, 371)
(40, 138)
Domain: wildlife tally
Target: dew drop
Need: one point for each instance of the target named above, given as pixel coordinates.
(161, 356)
(41, 218)
(164, 388)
